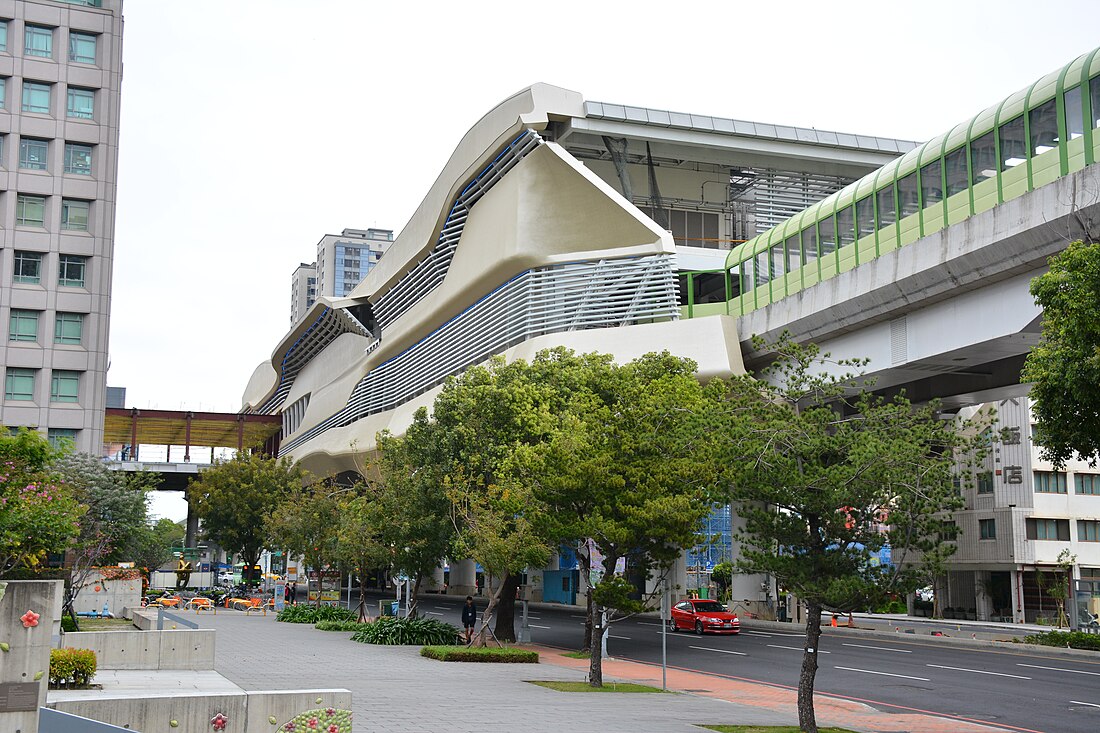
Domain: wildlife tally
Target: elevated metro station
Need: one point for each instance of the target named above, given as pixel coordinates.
(600, 227)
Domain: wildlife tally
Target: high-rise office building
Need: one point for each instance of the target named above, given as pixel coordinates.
(60, 73)
(344, 259)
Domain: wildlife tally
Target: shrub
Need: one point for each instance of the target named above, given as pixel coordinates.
(72, 667)
(1071, 639)
(391, 630)
(305, 614)
(67, 624)
(339, 626)
(506, 655)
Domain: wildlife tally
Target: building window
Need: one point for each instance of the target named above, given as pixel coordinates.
(33, 154)
(30, 211)
(36, 97)
(1049, 482)
(1087, 483)
(64, 386)
(71, 271)
(69, 329)
(19, 384)
(78, 159)
(81, 47)
(81, 104)
(74, 215)
(985, 482)
(3, 35)
(3, 93)
(1048, 529)
(38, 41)
(23, 325)
(987, 529)
(61, 437)
(28, 267)
(1088, 530)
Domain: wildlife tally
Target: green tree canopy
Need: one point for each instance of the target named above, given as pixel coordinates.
(233, 497)
(1065, 365)
(306, 523)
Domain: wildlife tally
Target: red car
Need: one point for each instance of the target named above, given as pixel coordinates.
(701, 616)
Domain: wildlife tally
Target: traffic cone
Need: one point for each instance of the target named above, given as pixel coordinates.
(834, 624)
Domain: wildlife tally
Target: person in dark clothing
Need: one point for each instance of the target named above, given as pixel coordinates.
(469, 618)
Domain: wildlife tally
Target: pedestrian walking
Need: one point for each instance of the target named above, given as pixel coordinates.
(469, 618)
(288, 592)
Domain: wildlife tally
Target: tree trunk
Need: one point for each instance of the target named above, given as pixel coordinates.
(807, 721)
(506, 612)
(412, 612)
(595, 655)
(362, 597)
(487, 615)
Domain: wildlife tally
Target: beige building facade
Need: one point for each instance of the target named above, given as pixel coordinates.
(60, 77)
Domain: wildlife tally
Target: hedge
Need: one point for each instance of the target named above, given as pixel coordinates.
(72, 667)
(505, 655)
(393, 630)
(306, 614)
(1071, 639)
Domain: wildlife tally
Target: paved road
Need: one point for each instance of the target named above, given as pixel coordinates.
(1020, 688)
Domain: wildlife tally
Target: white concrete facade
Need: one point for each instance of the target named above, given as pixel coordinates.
(61, 69)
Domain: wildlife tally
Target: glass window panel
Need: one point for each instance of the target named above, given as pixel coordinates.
(69, 329)
(846, 226)
(987, 529)
(28, 267)
(1013, 145)
(1075, 114)
(826, 235)
(82, 47)
(693, 231)
(908, 197)
(78, 159)
(931, 183)
(1049, 482)
(793, 246)
(1087, 483)
(23, 325)
(865, 216)
(1088, 530)
(763, 274)
(81, 104)
(1043, 125)
(678, 225)
(1094, 97)
(710, 234)
(71, 271)
(30, 211)
(61, 437)
(955, 167)
(64, 386)
(36, 97)
(748, 282)
(74, 215)
(710, 287)
(33, 154)
(682, 287)
(809, 244)
(19, 384)
(779, 260)
(3, 93)
(3, 35)
(983, 158)
(38, 41)
(887, 211)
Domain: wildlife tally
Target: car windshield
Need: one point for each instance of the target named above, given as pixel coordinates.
(709, 606)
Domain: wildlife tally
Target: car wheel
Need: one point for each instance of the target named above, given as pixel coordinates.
(672, 625)
(699, 628)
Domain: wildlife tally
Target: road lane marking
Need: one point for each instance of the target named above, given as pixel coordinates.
(573, 615)
(757, 633)
(443, 608)
(1090, 704)
(536, 626)
(977, 671)
(793, 636)
(643, 623)
(880, 648)
(537, 618)
(720, 651)
(885, 674)
(1058, 669)
(435, 613)
(796, 648)
(612, 636)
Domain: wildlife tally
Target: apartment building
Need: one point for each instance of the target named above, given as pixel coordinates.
(303, 290)
(60, 75)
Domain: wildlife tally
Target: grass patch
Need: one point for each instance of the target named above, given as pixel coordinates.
(106, 624)
(506, 655)
(577, 655)
(768, 729)
(562, 686)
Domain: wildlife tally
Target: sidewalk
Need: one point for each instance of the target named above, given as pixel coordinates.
(396, 690)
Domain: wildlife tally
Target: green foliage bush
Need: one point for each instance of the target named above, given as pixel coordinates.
(391, 630)
(67, 624)
(339, 626)
(72, 667)
(1071, 639)
(507, 655)
(306, 614)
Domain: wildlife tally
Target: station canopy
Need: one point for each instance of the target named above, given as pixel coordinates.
(197, 429)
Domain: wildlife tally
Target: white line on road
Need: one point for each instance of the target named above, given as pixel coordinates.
(793, 636)
(1059, 669)
(796, 648)
(643, 623)
(573, 615)
(442, 608)
(977, 671)
(435, 613)
(720, 651)
(885, 674)
(1090, 704)
(612, 636)
(537, 618)
(880, 648)
(536, 626)
(756, 633)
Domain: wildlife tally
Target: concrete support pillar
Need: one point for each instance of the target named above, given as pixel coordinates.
(24, 670)
(436, 581)
(1017, 597)
(984, 603)
(463, 578)
(191, 537)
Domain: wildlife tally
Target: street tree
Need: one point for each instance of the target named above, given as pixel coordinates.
(1065, 366)
(306, 523)
(152, 546)
(360, 543)
(233, 497)
(824, 475)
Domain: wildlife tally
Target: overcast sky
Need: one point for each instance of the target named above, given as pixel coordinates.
(250, 128)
